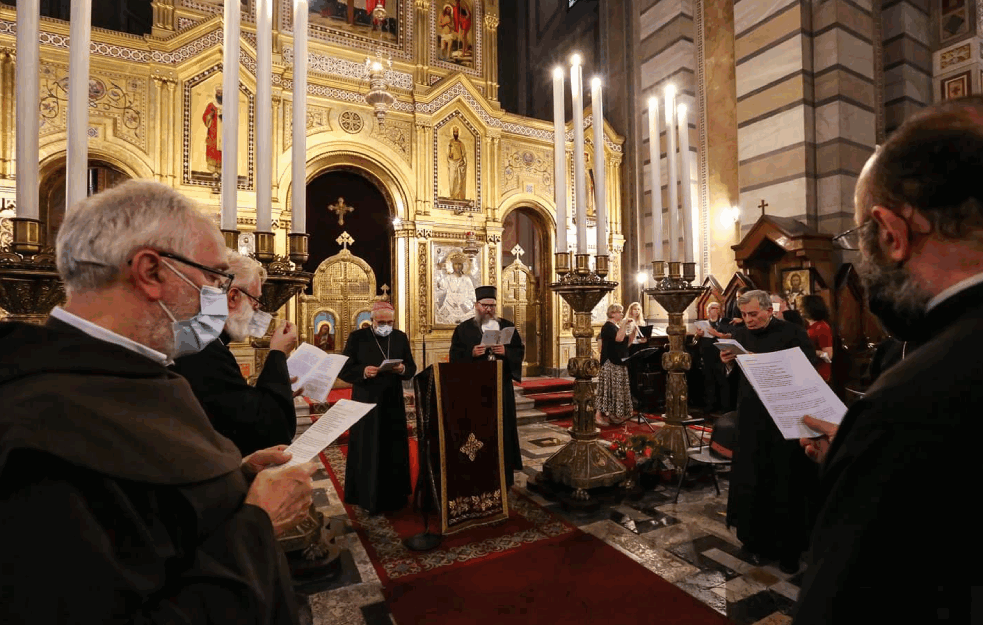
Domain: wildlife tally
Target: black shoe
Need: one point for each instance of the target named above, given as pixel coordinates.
(789, 567)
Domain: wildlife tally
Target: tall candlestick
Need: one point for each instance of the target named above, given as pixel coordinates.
(577, 93)
(671, 157)
(27, 70)
(655, 172)
(559, 161)
(264, 115)
(686, 178)
(230, 116)
(77, 154)
(299, 154)
(600, 199)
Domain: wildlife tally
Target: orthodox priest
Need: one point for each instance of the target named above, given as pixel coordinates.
(772, 482)
(466, 347)
(377, 472)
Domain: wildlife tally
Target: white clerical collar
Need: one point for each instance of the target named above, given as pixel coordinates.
(958, 287)
(102, 334)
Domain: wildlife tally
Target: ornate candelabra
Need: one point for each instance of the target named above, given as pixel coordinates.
(29, 282)
(379, 96)
(583, 464)
(675, 293)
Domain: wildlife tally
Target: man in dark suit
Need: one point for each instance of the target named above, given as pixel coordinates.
(920, 223)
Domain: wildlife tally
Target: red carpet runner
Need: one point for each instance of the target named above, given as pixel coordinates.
(534, 568)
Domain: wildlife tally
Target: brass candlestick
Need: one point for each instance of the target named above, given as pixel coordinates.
(29, 283)
(582, 463)
(674, 293)
(231, 238)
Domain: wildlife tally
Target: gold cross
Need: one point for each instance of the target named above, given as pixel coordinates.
(471, 447)
(341, 209)
(385, 292)
(517, 251)
(763, 206)
(345, 240)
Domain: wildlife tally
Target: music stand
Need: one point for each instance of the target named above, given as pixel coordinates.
(642, 354)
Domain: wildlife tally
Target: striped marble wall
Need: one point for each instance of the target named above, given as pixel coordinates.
(907, 59)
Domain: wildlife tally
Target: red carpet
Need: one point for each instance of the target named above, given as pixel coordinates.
(574, 579)
(545, 385)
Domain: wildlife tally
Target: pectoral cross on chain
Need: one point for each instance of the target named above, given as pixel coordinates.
(341, 209)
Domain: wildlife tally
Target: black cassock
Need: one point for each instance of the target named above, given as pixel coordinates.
(772, 482)
(377, 473)
(466, 336)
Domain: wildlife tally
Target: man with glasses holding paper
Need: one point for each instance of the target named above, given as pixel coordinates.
(908, 443)
(253, 417)
(107, 459)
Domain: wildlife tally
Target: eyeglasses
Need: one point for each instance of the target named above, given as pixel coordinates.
(227, 277)
(850, 240)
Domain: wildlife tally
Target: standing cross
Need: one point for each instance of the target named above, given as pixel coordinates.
(517, 251)
(763, 206)
(341, 209)
(345, 240)
(385, 292)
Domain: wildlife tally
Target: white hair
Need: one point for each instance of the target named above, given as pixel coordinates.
(101, 232)
(246, 269)
(762, 297)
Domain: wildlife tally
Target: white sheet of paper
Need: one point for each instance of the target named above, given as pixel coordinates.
(704, 325)
(389, 364)
(790, 388)
(497, 337)
(315, 370)
(329, 427)
(730, 345)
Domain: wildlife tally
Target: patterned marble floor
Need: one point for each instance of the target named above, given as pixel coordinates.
(686, 543)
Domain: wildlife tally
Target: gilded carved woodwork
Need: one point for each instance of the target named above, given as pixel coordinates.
(343, 287)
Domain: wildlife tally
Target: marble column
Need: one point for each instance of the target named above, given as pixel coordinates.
(907, 59)
(299, 145)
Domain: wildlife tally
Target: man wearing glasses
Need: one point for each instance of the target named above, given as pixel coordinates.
(909, 439)
(466, 347)
(252, 417)
(106, 457)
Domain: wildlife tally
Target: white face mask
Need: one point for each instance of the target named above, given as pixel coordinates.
(259, 323)
(382, 330)
(192, 335)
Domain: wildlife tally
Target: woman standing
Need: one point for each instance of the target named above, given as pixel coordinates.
(613, 399)
(638, 342)
(816, 314)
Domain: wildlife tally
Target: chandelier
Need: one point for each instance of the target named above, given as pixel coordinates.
(471, 247)
(379, 96)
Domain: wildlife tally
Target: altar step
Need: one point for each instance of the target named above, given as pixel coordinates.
(543, 399)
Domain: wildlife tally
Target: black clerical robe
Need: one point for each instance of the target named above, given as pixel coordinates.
(772, 482)
(118, 500)
(466, 336)
(893, 539)
(377, 470)
(253, 417)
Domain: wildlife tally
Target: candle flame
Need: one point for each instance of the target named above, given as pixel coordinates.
(595, 83)
(575, 59)
(670, 92)
(654, 103)
(557, 72)
(682, 110)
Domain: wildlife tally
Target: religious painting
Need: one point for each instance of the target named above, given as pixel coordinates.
(456, 26)
(369, 20)
(954, 19)
(795, 284)
(324, 331)
(458, 165)
(363, 319)
(590, 190)
(957, 86)
(456, 275)
(205, 104)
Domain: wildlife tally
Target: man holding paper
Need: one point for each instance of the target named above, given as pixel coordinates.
(771, 481)
(253, 417)
(467, 345)
(377, 471)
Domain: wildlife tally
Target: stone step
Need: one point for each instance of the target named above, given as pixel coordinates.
(531, 415)
(523, 403)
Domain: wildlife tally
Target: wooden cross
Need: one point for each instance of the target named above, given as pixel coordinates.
(345, 240)
(517, 251)
(763, 206)
(341, 209)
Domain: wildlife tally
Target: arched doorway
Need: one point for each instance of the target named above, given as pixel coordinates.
(99, 177)
(525, 296)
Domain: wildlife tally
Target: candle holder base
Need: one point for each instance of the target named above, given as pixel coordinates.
(297, 247)
(265, 249)
(29, 282)
(231, 239)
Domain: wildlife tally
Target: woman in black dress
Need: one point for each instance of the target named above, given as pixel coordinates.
(613, 399)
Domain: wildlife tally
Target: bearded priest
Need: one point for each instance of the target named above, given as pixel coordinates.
(377, 471)
(253, 417)
(466, 347)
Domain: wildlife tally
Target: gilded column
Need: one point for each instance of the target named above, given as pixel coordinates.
(160, 137)
(491, 56)
(424, 170)
(277, 142)
(7, 113)
(422, 35)
(491, 167)
(163, 16)
(171, 120)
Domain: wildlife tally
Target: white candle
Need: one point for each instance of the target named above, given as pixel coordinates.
(28, 35)
(655, 173)
(559, 161)
(577, 91)
(299, 154)
(230, 116)
(686, 177)
(671, 157)
(600, 199)
(264, 115)
(77, 129)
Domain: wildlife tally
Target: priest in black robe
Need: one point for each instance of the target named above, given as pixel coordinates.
(377, 471)
(772, 482)
(466, 347)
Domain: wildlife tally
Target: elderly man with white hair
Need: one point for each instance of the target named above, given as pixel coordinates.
(119, 501)
(252, 417)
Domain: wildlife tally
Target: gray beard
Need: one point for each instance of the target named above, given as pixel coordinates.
(890, 281)
(237, 325)
(480, 319)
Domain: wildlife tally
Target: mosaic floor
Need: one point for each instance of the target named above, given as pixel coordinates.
(685, 543)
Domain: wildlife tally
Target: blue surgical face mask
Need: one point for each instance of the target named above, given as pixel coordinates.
(192, 335)
(259, 323)
(382, 330)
